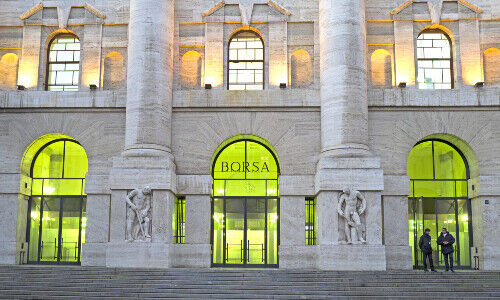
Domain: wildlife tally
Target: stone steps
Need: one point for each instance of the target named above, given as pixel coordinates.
(63, 282)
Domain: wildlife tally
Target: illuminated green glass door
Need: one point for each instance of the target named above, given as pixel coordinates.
(57, 226)
(245, 231)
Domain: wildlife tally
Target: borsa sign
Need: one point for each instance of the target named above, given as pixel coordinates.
(249, 167)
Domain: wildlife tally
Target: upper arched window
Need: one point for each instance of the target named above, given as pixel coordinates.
(63, 70)
(246, 62)
(434, 58)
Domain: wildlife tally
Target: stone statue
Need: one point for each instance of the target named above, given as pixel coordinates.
(139, 214)
(351, 206)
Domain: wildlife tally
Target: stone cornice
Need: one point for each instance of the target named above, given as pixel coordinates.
(246, 7)
(462, 2)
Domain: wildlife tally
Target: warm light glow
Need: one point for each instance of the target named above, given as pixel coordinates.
(471, 73)
(48, 190)
(27, 76)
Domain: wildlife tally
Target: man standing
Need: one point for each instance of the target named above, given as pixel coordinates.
(446, 240)
(425, 246)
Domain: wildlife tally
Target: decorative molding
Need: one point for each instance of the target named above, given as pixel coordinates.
(246, 8)
(63, 10)
(462, 2)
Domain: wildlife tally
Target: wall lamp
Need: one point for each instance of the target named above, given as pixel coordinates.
(208, 86)
(402, 85)
(21, 87)
(282, 85)
(479, 84)
(93, 87)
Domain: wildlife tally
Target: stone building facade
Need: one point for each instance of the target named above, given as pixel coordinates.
(318, 134)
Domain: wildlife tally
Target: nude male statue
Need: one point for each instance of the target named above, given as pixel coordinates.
(138, 214)
(351, 214)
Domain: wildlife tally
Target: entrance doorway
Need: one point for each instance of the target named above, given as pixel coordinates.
(56, 233)
(245, 204)
(245, 232)
(439, 199)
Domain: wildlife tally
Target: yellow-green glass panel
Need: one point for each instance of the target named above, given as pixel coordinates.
(261, 163)
(49, 162)
(231, 162)
(36, 187)
(218, 188)
(235, 218)
(272, 231)
(75, 161)
(272, 187)
(448, 162)
(462, 189)
(419, 165)
(463, 237)
(50, 229)
(218, 233)
(245, 188)
(63, 186)
(34, 228)
(70, 229)
(256, 226)
(434, 188)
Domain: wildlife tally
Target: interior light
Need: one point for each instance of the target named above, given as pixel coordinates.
(21, 87)
(402, 85)
(208, 86)
(282, 85)
(93, 87)
(479, 84)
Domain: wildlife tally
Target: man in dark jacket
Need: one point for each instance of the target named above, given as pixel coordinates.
(425, 246)
(446, 240)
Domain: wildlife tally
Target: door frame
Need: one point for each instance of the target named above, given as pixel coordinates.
(59, 235)
(245, 250)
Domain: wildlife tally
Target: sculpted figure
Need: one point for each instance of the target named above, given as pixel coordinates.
(351, 206)
(139, 214)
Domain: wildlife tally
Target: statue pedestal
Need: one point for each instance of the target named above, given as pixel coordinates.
(351, 257)
(137, 255)
(362, 174)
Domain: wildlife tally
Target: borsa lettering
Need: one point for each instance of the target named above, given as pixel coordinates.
(251, 167)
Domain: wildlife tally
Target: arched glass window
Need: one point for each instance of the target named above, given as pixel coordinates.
(246, 62)
(245, 203)
(439, 198)
(57, 205)
(434, 59)
(63, 70)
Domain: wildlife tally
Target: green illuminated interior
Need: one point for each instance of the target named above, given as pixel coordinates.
(58, 203)
(438, 199)
(310, 221)
(179, 221)
(245, 204)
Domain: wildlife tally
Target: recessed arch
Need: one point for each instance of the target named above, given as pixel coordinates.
(381, 68)
(191, 70)
(491, 60)
(300, 69)
(9, 64)
(114, 74)
(63, 61)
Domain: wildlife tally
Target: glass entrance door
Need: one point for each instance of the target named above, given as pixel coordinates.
(56, 229)
(435, 214)
(245, 232)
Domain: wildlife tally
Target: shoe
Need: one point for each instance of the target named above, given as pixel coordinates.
(446, 270)
(425, 270)
(433, 270)
(452, 271)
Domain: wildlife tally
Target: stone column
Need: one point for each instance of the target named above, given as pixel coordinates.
(344, 110)
(149, 92)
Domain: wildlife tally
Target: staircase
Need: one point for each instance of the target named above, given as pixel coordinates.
(62, 282)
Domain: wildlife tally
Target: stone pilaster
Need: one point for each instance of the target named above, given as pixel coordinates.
(91, 55)
(344, 110)
(149, 92)
(30, 57)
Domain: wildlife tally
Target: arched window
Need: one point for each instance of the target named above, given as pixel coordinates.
(438, 199)
(246, 62)
(245, 203)
(63, 69)
(57, 203)
(434, 59)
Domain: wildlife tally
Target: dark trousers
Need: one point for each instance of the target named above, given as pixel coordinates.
(450, 257)
(425, 256)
